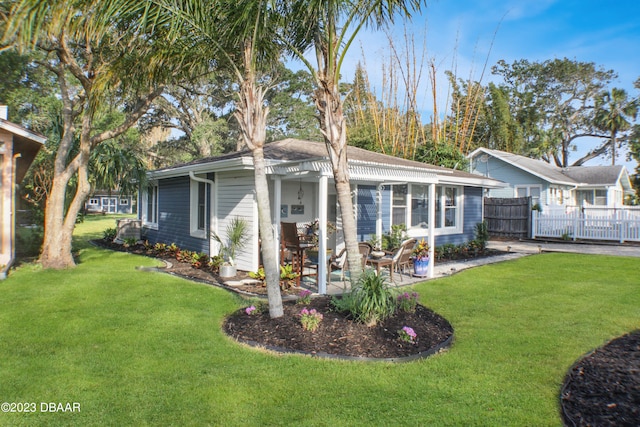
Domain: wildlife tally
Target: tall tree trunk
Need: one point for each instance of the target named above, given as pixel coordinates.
(252, 118)
(613, 148)
(334, 130)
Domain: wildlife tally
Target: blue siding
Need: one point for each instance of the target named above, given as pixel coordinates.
(503, 171)
(472, 215)
(173, 216)
(367, 212)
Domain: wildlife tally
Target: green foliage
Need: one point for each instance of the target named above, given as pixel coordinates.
(237, 234)
(371, 299)
(28, 241)
(258, 275)
(443, 154)
(392, 239)
(109, 234)
(310, 319)
(481, 234)
(130, 241)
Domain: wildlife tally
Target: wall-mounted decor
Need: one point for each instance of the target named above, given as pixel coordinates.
(297, 209)
(284, 211)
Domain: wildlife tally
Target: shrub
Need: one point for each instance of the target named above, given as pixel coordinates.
(395, 237)
(258, 275)
(215, 262)
(130, 241)
(310, 319)
(481, 232)
(109, 234)
(407, 301)
(370, 300)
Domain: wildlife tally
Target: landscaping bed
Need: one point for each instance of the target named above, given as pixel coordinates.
(603, 388)
(338, 335)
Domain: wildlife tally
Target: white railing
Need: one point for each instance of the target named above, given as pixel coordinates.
(620, 225)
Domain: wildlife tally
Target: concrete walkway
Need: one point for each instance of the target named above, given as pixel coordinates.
(514, 248)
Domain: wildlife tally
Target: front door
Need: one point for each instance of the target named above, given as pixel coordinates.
(109, 204)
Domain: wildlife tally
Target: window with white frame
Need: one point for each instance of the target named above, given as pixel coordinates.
(124, 202)
(94, 202)
(533, 191)
(150, 203)
(198, 213)
(419, 206)
(399, 204)
(413, 209)
(601, 198)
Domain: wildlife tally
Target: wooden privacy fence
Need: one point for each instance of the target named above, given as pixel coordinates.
(620, 225)
(508, 217)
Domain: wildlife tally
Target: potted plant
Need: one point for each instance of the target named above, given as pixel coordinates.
(312, 237)
(421, 258)
(237, 233)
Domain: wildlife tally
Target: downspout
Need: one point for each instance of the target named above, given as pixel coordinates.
(206, 203)
(12, 231)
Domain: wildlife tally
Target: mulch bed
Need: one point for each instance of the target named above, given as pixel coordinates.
(337, 335)
(603, 388)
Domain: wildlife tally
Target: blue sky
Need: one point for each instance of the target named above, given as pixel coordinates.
(468, 33)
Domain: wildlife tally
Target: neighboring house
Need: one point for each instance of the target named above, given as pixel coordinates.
(18, 148)
(550, 186)
(109, 203)
(185, 203)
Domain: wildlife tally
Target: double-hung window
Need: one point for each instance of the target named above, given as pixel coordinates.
(410, 205)
(198, 212)
(150, 204)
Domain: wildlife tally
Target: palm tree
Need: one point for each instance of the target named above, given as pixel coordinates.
(614, 113)
(89, 49)
(329, 27)
(237, 35)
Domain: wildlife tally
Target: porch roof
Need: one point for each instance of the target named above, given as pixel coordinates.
(294, 156)
(27, 143)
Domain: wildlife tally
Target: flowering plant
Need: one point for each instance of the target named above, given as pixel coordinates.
(304, 296)
(310, 319)
(407, 301)
(421, 250)
(407, 334)
(251, 310)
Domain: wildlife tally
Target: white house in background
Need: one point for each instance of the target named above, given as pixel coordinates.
(551, 186)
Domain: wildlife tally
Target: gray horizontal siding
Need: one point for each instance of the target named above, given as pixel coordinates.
(235, 198)
(173, 216)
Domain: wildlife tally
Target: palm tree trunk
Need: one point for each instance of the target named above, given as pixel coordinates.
(333, 127)
(252, 118)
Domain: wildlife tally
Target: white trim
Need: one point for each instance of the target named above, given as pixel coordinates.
(155, 205)
(194, 205)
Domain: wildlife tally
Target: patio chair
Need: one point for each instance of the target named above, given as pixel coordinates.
(404, 259)
(365, 250)
(290, 241)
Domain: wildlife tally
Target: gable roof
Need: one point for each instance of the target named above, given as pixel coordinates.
(26, 143)
(595, 176)
(293, 155)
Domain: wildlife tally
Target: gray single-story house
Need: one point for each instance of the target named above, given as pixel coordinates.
(550, 186)
(184, 204)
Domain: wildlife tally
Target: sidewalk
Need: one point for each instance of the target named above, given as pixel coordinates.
(514, 249)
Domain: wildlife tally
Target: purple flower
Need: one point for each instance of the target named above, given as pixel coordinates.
(409, 331)
(250, 310)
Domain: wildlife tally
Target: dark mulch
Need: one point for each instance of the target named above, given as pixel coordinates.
(338, 335)
(603, 388)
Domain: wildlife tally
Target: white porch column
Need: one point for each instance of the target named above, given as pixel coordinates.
(379, 213)
(277, 201)
(323, 196)
(432, 229)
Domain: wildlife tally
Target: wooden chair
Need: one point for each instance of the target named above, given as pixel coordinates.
(290, 241)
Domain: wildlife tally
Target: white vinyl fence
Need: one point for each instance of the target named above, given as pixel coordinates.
(622, 225)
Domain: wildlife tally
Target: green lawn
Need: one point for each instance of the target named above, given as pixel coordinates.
(142, 348)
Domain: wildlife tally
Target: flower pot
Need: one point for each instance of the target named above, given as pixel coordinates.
(227, 271)
(421, 266)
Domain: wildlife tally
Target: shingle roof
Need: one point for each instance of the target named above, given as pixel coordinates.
(293, 150)
(574, 175)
